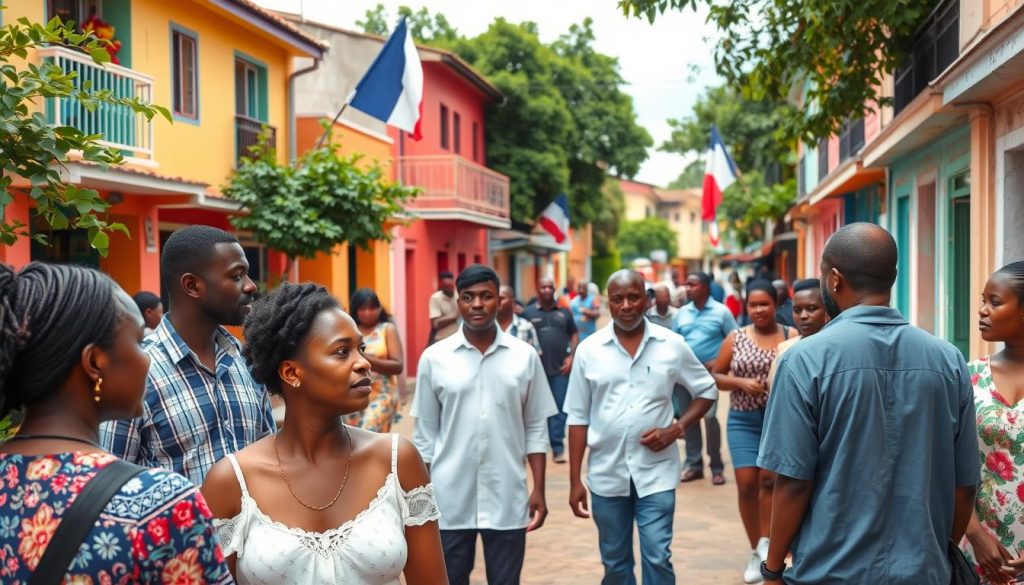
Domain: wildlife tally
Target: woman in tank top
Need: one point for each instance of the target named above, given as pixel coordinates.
(320, 502)
(384, 352)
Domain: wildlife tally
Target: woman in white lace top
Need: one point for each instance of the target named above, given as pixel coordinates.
(320, 502)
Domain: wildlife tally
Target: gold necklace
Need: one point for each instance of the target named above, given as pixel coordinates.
(348, 465)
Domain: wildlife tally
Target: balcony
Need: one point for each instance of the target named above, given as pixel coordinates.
(119, 126)
(247, 134)
(933, 48)
(455, 188)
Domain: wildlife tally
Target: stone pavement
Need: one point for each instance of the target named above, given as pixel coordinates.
(709, 547)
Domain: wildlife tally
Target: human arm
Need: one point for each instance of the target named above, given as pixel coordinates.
(592, 313)
(789, 506)
(989, 553)
(438, 320)
(426, 409)
(726, 381)
(577, 491)
(574, 339)
(393, 363)
(538, 502)
(425, 562)
(223, 495)
(691, 375)
(539, 406)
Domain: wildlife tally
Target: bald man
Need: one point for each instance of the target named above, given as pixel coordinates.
(871, 429)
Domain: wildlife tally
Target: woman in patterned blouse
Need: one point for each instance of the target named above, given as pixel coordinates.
(995, 535)
(70, 358)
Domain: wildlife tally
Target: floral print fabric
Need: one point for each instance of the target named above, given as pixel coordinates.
(1000, 503)
(382, 412)
(157, 529)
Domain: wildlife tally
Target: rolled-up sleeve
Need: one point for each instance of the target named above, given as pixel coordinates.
(123, 438)
(540, 405)
(578, 396)
(426, 409)
(693, 376)
(789, 442)
(967, 459)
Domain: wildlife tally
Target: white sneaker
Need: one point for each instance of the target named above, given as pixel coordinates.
(762, 548)
(752, 574)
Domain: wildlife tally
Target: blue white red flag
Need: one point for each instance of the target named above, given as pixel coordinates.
(719, 173)
(392, 89)
(555, 218)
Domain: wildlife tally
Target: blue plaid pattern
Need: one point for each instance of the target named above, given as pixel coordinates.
(191, 417)
(523, 330)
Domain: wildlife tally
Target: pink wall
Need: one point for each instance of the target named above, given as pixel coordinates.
(20, 253)
(424, 241)
(828, 218)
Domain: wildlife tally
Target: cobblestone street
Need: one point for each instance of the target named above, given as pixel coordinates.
(709, 546)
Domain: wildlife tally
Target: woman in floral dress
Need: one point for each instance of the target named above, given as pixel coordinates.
(384, 352)
(70, 357)
(995, 536)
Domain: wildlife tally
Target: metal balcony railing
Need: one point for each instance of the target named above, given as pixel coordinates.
(119, 126)
(452, 182)
(933, 48)
(247, 134)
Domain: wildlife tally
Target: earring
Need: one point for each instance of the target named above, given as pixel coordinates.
(96, 390)
(295, 384)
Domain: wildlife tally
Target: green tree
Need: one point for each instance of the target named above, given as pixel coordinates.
(750, 202)
(691, 177)
(606, 258)
(325, 199)
(839, 48)
(35, 151)
(637, 239)
(424, 27)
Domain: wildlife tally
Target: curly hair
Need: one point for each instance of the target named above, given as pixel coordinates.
(278, 325)
(48, 314)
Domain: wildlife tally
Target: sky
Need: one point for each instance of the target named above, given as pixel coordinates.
(666, 65)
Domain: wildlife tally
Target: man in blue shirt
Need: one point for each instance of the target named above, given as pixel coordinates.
(871, 428)
(704, 323)
(586, 309)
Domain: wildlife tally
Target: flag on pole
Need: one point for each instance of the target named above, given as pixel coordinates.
(719, 173)
(555, 218)
(391, 90)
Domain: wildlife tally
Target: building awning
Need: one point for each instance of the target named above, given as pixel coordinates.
(990, 68)
(533, 242)
(849, 176)
(919, 124)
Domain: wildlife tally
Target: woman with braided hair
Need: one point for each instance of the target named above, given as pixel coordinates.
(321, 502)
(70, 358)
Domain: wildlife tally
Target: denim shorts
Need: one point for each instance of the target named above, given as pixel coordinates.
(744, 435)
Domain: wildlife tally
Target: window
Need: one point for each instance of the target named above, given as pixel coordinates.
(678, 217)
(184, 74)
(442, 262)
(457, 133)
(822, 159)
(247, 94)
(933, 48)
(476, 142)
(76, 10)
(460, 258)
(693, 216)
(851, 138)
(477, 259)
(444, 127)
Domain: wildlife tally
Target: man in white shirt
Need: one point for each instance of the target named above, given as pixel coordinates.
(620, 406)
(482, 404)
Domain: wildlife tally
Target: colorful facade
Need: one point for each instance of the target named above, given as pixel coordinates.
(181, 55)
(680, 208)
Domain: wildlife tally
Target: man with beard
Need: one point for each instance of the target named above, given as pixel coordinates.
(620, 406)
(871, 429)
(481, 407)
(201, 402)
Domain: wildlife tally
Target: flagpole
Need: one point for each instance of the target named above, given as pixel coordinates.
(337, 116)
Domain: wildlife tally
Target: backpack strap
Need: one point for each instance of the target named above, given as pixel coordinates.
(79, 520)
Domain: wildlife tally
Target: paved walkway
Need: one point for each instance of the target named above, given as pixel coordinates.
(709, 546)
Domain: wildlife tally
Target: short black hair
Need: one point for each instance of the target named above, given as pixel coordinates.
(49, 313)
(366, 296)
(866, 254)
(146, 300)
(277, 326)
(764, 286)
(445, 275)
(188, 250)
(476, 274)
(1014, 272)
(807, 284)
(703, 277)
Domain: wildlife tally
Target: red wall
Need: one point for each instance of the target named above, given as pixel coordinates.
(424, 240)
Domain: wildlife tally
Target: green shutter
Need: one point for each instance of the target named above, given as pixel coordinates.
(903, 249)
(960, 274)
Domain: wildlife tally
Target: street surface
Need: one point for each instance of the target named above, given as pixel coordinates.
(709, 547)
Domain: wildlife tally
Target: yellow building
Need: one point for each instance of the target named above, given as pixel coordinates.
(681, 209)
(222, 67)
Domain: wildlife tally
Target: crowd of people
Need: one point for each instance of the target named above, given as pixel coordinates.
(147, 449)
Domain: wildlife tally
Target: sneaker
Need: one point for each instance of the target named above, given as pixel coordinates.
(559, 458)
(752, 574)
(762, 548)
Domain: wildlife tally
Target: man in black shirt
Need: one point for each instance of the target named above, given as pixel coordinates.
(556, 331)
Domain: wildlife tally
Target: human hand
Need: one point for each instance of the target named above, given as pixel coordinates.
(538, 510)
(751, 386)
(659, 439)
(578, 500)
(993, 558)
(566, 365)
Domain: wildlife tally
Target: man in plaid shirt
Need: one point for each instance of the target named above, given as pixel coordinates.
(201, 403)
(511, 323)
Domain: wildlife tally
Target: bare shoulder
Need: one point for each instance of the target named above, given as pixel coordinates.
(222, 491)
(412, 473)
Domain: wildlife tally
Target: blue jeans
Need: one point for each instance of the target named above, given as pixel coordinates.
(556, 423)
(614, 518)
(694, 444)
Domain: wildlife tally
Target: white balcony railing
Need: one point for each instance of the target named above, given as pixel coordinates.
(119, 126)
(450, 182)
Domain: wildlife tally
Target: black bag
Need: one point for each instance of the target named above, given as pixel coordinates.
(964, 573)
(79, 520)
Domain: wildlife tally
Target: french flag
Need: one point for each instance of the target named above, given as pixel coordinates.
(392, 89)
(555, 218)
(719, 173)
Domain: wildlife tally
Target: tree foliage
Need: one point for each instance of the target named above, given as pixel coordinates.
(750, 202)
(325, 199)
(840, 48)
(691, 177)
(424, 27)
(36, 151)
(637, 239)
(565, 122)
